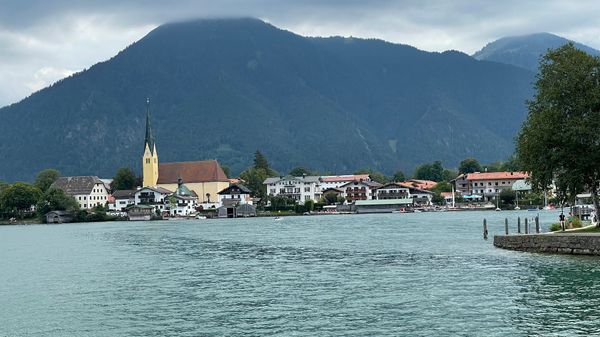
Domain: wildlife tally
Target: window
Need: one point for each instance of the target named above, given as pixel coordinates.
(306, 197)
(307, 189)
(147, 160)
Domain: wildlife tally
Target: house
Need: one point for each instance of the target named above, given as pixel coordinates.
(359, 190)
(206, 178)
(58, 217)
(235, 194)
(140, 212)
(121, 199)
(89, 191)
(393, 191)
(301, 189)
(183, 201)
(338, 181)
(490, 184)
(155, 197)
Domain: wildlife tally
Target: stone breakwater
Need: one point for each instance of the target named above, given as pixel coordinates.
(562, 243)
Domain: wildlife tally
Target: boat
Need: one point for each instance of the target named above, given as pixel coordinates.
(277, 218)
(200, 217)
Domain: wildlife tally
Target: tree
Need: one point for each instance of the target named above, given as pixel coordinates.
(55, 199)
(299, 171)
(19, 197)
(442, 186)
(398, 176)
(45, 178)
(507, 196)
(226, 170)
(330, 198)
(438, 199)
(125, 179)
(433, 171)
(260, 161)
(469, 165)
(560, 139)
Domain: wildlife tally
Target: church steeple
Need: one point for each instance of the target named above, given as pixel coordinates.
(150, 158)
(149, 140)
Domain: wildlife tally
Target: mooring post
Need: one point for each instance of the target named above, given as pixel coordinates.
(485, 231)
(537, 224)
(526, 227)
(506, 226)
(519, 225)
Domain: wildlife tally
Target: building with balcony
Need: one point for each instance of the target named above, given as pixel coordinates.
(301, 189)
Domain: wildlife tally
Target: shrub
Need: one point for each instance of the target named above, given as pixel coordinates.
(555, 227)
(576, 223)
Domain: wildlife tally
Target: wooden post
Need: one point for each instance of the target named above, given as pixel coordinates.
(519, 225)
(526, 227)
(485, 231)
(537, 224)
(506, 226)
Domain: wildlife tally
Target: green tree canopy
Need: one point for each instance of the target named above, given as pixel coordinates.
(124, 179)
(560, 139)
(19, 197)
(45, 178)
(433, 171)
(469, 165)
(55, 199)
(398, 176)
(299, 171)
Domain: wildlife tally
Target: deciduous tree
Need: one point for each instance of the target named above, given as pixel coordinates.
(560, 139)
(45, 178)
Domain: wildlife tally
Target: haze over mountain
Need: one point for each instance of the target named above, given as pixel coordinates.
(223, 88)
(525, 51)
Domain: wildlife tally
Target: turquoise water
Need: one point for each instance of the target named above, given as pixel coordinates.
(425, 274)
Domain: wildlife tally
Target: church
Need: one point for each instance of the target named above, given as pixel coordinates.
(206, 177)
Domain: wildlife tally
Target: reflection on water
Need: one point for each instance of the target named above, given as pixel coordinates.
(385, 275)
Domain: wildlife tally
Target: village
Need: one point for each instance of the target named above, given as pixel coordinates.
(201, 189)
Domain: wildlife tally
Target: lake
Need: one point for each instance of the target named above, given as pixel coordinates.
(421, 274)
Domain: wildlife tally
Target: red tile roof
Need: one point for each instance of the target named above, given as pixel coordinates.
(191, 172)
(497, 175)
(356, 177)
(422, 184)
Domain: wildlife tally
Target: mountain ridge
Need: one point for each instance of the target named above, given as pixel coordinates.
(525, 50)
(222, 88)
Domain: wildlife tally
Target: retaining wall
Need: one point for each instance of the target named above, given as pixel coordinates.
(578, 244)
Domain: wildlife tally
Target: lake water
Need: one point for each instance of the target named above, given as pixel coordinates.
(424, 274)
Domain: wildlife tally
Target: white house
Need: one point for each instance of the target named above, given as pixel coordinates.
(301, 189)
(404, 191)
(185, 203)
(359, 190)
(153, 196)
(489, 184)
(89, 191)
(121, 199)
(236, 194)
(339, 181)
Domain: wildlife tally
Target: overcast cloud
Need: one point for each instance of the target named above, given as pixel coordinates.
(42, 41)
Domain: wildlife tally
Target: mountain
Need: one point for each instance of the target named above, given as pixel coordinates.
(525, 51)
(223, 88)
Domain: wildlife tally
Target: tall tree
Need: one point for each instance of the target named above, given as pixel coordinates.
(55, 199)
(469, 165)
(45, 178)
(260, 161)
(560, 139)
(18, 198)
(124, 179)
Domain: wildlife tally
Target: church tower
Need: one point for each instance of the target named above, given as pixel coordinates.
(150, 159)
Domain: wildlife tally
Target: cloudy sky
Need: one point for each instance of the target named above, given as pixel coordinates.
(42, 41)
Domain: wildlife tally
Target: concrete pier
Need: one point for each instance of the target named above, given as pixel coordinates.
(562, 243)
